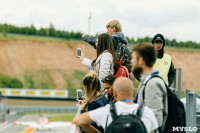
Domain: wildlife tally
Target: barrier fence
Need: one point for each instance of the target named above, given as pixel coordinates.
(34, 92)
(177, 77)
(191, 113)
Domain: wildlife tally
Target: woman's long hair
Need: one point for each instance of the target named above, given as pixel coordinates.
(105, 43)
(92, 83)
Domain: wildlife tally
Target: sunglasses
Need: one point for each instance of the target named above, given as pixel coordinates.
(105, 80)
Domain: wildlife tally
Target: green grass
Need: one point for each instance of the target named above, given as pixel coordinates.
(182, 49)
(177, 49)
(39, 79)
(66, 117)
(60, 117)
(38, 39)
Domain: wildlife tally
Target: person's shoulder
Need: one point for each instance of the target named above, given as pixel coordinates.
(106, 54)
(156, 80)
(167, 55)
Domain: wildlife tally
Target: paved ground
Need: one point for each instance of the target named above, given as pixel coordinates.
(23, 129)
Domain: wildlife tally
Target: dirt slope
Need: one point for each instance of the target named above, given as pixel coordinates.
(19, 57)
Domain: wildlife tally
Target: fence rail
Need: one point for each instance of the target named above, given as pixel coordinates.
(191, 106)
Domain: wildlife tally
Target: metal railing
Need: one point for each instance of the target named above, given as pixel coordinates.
(179, 82)
(191, 110)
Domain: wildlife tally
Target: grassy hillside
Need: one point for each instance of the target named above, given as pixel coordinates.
(43, 62)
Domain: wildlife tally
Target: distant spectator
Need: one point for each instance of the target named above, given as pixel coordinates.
(123, 94)
(95, 98)
(108, 86)
(114, 29)
(154, 95)
(106, 61)
(164, 62)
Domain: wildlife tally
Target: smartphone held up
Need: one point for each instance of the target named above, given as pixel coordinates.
(78, 52)
(79, 95)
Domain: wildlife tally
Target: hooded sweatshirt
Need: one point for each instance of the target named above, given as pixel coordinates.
(159, 37)
(119, 36)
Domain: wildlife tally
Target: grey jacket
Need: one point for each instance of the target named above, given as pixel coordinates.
(104, 66)
(118, 36)
(155, 97)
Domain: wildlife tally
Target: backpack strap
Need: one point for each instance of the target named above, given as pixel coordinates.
(146, 81)
(112, 112)
(140, 111)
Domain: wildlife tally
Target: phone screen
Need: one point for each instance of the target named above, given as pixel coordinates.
(79, 52)
(79, 95)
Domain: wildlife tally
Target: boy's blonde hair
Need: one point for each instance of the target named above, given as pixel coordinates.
(115, 24)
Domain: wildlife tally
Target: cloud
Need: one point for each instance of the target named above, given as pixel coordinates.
(174, 18)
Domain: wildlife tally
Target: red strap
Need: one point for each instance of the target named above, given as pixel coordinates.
(120, 62)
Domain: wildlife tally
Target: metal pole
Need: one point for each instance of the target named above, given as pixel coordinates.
(175, 81)
(190, 110)
(179, 83)
(90, 16)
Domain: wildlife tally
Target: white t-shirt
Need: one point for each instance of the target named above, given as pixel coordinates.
(100, 115)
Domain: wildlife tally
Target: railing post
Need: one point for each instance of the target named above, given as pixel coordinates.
(190, 110)
(175, 81)
(179, 83)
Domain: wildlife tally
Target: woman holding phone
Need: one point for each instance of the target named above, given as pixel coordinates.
(106, 61)
(95, 98)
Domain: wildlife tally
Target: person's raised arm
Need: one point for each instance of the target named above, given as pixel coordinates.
(89, 39)
(84, 122)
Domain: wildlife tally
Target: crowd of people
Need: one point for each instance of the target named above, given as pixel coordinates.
(109, 99)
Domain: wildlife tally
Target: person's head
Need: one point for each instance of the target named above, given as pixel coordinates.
(104, 42)
(113, 27)
(91, 85)
(144, 56)
(123, 89)
(107, 84)
(158, 41)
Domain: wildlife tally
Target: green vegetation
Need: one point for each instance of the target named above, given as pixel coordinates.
(59, 34)
(74, 82)
(64, 117)
(170, 43)
(41, 79)
(55, 116)
(31, 30)
(38, 39)
(10, 82)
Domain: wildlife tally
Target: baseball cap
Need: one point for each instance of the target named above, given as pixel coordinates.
(158, 39)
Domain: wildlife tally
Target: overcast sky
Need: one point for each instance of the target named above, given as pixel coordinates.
(179, 19)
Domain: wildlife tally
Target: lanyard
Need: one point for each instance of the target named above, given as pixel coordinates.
(149, 76)
(127, 100)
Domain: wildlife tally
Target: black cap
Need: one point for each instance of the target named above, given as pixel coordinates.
(158, 37)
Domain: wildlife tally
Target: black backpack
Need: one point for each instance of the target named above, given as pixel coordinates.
(124, 51)
(129, 123)
(176, 111)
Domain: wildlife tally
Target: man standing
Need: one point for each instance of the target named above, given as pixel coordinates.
(151, 91)
(114, 29)
(164, 62)
(123, 94)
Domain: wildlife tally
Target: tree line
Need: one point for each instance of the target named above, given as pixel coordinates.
(31, 30)
(52, 32)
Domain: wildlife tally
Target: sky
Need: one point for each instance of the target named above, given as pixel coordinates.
(179, 19)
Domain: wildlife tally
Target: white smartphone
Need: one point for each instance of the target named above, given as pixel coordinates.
(79, 95)
(78, 52)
